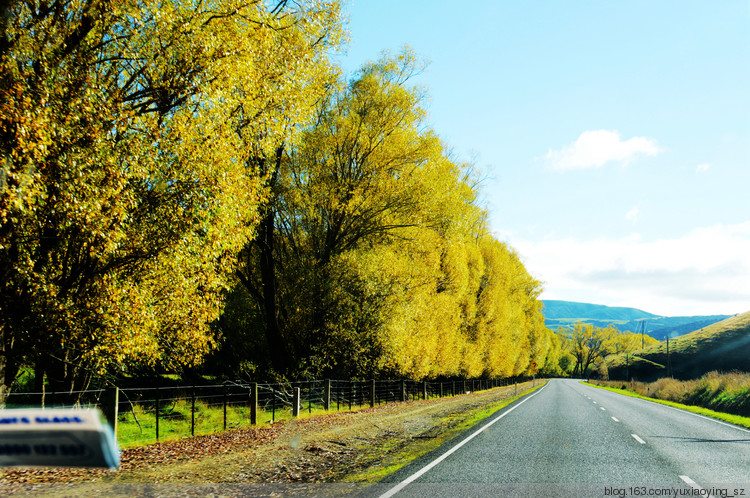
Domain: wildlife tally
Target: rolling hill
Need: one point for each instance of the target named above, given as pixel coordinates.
(566, 313)
(722, 346)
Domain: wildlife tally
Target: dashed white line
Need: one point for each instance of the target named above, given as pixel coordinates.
(596, 403)
(613, 418)
(695, 486)
(602, 408)
(638, 439)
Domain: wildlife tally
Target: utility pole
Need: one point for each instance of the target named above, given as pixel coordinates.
(669, 364)
(643, 331)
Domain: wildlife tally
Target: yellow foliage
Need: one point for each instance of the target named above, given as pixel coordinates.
(125, 190)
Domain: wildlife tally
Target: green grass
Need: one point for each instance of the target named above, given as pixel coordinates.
(726, 417)
(138, 427)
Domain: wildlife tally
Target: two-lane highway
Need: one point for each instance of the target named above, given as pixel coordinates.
(569, 439)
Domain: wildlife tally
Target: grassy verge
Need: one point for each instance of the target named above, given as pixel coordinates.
(137, 427)
(401, 452)
(726, 417)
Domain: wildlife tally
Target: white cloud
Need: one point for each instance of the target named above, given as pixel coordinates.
(597, 147)
(702, 168)
(633, 215)
(704, 272)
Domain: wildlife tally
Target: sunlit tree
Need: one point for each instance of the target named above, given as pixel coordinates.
(130, 140)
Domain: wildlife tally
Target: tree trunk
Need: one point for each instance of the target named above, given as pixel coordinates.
(8, 366)
(279, 354)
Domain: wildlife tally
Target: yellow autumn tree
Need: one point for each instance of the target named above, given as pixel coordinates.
(374, 258)
(130, 133)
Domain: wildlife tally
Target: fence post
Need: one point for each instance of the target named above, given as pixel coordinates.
(441, 390)
(295, 402)
(225, 407)
(424, 389)
(327, 395)
(157, 413)
(110, 400)
(192, 412)
(403, 390)
(254, 403)
(372, 393)
(516, 384)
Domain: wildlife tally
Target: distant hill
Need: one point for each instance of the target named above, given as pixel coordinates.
(568, 309)
(566, 313)
(723, 346)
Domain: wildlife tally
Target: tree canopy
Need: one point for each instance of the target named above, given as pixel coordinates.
(184, 179)
(377, 260)
(128, 186)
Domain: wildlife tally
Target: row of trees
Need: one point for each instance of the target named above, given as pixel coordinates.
(183, 179)
(373, 256)
(137, 139)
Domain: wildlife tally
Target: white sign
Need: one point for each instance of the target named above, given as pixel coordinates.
(56, 438)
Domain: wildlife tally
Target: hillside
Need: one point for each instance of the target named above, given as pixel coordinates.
(554, 309)
(723, 346)
(566, 313)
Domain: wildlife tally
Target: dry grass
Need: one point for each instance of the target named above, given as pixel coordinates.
(725, 392)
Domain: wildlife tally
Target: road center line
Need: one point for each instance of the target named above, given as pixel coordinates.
(602, 408)
(695, 486)
(613, 418)
(638, 439)
(445, 455)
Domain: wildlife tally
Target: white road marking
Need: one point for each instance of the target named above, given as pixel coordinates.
(703, 416)
(596, 403)
(602, 408)
(445, 455)
(638, 439)
(690, 413)
(695, 486)
(613, 418)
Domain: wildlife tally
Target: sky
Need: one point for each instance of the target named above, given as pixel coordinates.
(613, 136)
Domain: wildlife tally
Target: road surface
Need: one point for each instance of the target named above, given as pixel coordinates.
(569, 439)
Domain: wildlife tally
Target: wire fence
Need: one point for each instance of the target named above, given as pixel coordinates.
(143, 415)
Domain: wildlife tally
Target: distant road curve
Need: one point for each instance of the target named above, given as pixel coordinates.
(569, 439)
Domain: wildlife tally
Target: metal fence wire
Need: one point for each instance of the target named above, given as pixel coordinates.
(142, 415)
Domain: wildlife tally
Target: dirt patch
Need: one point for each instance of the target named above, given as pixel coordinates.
(357, 446)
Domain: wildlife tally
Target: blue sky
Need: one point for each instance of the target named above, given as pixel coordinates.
(614, 136)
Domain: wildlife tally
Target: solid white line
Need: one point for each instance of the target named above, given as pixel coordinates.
(613, 418)
(695, 486)
(638, 439)
(700, 416)
(445, 455)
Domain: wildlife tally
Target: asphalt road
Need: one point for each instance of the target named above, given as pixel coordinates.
(569, 439)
